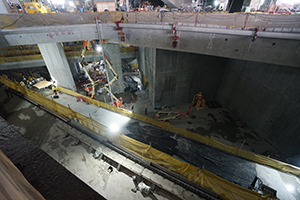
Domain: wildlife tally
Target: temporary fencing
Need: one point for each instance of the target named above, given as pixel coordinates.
(224, 188)
(236, 20)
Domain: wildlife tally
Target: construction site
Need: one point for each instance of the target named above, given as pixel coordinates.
(150, 100)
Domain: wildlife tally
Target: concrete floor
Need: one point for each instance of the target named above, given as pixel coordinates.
(49, 134)
(217, 123)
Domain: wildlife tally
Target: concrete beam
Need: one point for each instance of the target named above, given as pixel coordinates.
(22, 64)
(40, 63)
(128, 55)
(270, 47)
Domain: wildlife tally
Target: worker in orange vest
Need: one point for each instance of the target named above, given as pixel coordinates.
(87, 90)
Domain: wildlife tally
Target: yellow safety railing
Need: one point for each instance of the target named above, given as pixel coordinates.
(224, 188)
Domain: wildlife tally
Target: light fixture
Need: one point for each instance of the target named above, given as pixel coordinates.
(288, 1)
(71, 3)
(114, 127)
(289, 187)
(58, 2)
(98, 48)
(216, 3)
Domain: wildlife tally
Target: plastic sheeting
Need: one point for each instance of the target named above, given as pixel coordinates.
(238, 20)
(225, 189)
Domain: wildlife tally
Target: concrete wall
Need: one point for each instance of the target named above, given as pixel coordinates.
(147, 64)
(180, 75)
(266, 97)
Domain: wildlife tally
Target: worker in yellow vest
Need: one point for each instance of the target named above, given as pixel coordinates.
(54, 90)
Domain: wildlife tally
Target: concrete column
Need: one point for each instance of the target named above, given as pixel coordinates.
(147, 64)
(4, 7)
(113, 52)
(255, 4)
(57, 64)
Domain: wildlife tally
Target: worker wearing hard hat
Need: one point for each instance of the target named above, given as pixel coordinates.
(54, 89)
(87, 90)
(22, 84)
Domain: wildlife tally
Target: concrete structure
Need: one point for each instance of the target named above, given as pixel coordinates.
(114, 55)
(57, 65)
(256, 79)
(71, 61)
(267, 98)
(147, 64)
(282, 43)
(4, 7)
(270, 92)
(105, 5)
(179, 76)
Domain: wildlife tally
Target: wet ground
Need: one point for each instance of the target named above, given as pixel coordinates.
(51, 179)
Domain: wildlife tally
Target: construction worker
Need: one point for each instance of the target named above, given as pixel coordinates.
(119, 102)
(87, 90)
(146, 110)
(24, 79)
(22, 84)
(54, 90)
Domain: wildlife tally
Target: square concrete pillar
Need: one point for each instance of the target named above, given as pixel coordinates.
(57, 64)
(113, 52)
(4, 7)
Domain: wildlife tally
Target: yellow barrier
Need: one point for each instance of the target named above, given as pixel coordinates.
(21, 58)
(225, 189)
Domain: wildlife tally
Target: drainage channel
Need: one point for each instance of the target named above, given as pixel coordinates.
(158, 169)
